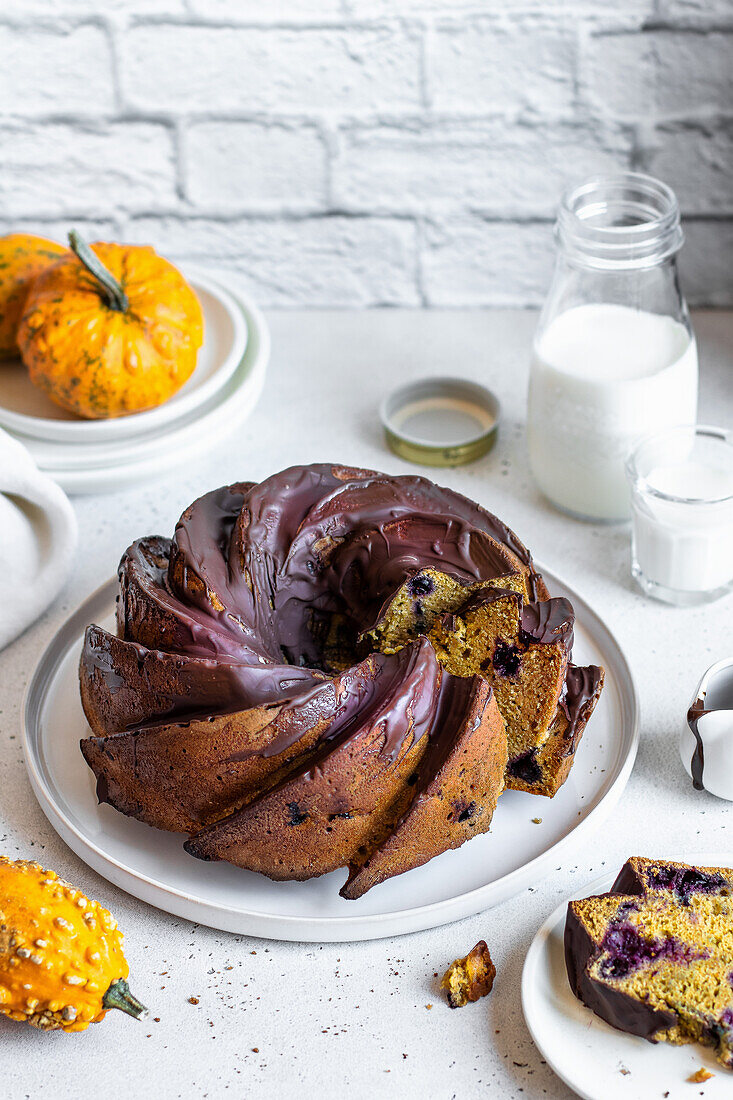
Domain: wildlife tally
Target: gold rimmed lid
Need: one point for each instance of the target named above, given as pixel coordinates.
(440, 421)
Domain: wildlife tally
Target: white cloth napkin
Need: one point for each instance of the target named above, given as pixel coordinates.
(37, 539)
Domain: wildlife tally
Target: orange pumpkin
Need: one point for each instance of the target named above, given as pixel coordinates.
(110, 330)
(22, 257)
(61, 959)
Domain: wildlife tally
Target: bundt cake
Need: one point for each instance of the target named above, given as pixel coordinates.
(654, 956)
(272, 692)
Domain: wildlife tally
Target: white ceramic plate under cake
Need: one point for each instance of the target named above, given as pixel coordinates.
(153, 866)
(28, 412)
(114, 464)
(593, 1058)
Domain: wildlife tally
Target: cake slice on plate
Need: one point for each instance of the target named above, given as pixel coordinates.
(654, 956)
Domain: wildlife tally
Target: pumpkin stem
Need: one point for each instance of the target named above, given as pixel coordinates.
(114, 292)
(119, 996)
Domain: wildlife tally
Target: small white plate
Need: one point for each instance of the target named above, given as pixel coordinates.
(153, 866)
(593, 1058)
(28, 412)
(116, 464)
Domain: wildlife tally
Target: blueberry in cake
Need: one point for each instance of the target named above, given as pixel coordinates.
(654, 956)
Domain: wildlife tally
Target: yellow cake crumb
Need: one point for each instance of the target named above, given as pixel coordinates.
(469, 978)
(701, 1075)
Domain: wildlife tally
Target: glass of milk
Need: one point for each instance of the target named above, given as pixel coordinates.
(614, 356)
(681, 484)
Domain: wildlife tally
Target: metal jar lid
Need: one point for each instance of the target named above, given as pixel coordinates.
(440, 421)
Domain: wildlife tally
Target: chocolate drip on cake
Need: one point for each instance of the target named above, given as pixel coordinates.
(548, 621)
(582, 688)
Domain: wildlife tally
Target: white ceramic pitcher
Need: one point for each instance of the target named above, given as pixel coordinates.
(706, 738)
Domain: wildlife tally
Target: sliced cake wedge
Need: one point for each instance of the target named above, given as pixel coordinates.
(654, 957)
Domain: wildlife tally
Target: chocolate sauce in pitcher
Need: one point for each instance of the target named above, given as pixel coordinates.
(697, 763)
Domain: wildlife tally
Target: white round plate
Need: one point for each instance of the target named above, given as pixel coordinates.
(590, 1056)
(116, 464)
(153, 866)
(28, 412)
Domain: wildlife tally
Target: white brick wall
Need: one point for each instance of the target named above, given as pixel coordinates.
(509, 64)
(364, 152)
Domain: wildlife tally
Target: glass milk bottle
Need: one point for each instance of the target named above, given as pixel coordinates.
(614, 356)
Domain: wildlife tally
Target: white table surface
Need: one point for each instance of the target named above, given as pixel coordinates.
(366, 1019)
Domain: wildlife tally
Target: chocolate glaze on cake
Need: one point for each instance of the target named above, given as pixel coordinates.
(251, 566)
(582, 688)
(548, 621)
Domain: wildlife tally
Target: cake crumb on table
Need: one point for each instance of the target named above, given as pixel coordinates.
(469, 978)
(701, 1075)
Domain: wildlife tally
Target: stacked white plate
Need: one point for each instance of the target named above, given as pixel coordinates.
(94, 456)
